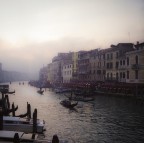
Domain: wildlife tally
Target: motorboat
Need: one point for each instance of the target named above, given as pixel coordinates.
(23, 124)
(17, 137)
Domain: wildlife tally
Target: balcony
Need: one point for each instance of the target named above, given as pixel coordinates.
(122, 67)
(83, 72)
(135, 67)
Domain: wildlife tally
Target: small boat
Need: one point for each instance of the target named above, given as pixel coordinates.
(82, 98)
(68, 103)
(62, 90)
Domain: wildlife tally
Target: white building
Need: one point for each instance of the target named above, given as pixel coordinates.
(67, 72)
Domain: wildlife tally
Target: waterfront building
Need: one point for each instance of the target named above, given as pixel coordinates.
(74, 66)
(116, 62)
(96, 68)
(55, 68)
(110, 62)
(123, 48)
(102, 74)
(135, 64)
(123, 62)
(67, 72)
(54, 72)
(83, 66)
(43, 74)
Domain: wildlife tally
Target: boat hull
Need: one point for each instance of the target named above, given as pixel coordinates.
(22, 128)
(22, 124)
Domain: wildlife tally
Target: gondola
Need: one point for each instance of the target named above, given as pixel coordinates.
(68, 103)
(40, 91)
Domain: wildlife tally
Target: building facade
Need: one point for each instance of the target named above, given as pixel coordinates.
(67, 72)
(135, 65)
(123, 62)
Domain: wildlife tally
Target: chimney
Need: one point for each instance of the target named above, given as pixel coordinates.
(137, 42)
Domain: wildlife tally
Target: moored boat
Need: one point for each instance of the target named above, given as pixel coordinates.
(22, 124)
(21, 137)
(16, 137)
(83, 99)
(27, 125)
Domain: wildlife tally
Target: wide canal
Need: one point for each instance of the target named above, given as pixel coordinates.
(105, 120)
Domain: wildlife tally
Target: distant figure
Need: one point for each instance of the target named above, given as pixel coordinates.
(55, 139)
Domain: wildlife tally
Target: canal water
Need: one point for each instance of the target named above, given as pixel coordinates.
(105, 120)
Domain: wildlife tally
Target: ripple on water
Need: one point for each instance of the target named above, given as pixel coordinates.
(105, 120)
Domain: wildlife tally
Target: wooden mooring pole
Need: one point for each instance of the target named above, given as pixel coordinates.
(1, 119)
(13, 109)
(34, 123)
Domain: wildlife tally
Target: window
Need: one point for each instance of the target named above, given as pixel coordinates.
(127, 61)
(117, 63)
(123, 74)
(123, 62)
(136, 74)
(116, 54)
(107, 56)
(116, 75)
(111, 55)
(104, 56)
(108, 65)
(120, 74)
(120, 62)
(127, 74)
(104, 63)
(111, 75)
(107, 75)
(136, 59)
(111, 65)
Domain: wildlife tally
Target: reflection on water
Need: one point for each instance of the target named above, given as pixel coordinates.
(105, 120)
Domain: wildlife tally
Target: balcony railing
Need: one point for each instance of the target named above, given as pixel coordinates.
(83, 72)
(135, 67)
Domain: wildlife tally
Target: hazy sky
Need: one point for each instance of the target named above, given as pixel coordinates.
(34, 31)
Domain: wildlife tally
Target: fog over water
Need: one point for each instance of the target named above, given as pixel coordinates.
(33, 32)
